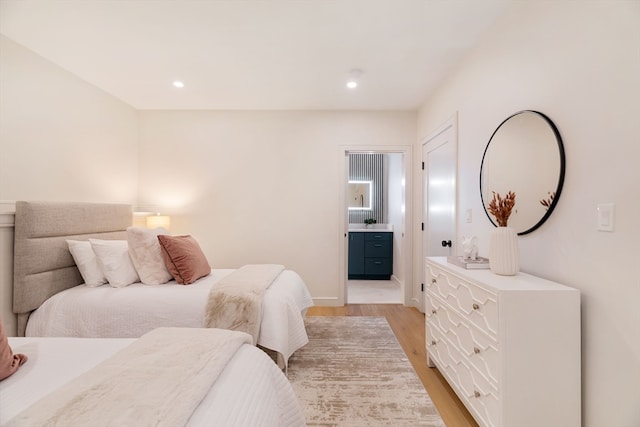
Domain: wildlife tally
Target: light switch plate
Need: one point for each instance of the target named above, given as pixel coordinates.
(606, 216)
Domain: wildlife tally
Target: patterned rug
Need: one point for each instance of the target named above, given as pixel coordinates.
(354, 373)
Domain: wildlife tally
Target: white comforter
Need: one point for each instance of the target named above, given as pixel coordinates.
(251, 391)
(130, 312)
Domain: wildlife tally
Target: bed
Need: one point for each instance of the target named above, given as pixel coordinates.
(50, 298)
(247, 390)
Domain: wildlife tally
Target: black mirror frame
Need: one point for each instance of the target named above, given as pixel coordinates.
(560, 177)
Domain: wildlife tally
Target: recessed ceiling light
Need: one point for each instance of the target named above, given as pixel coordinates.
(353, 78)
(178, 83)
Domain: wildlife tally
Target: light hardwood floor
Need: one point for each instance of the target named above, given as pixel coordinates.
(408, 325)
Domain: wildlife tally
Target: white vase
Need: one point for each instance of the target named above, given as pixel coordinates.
(504, 254)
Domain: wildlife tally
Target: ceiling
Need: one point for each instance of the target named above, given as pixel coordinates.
(254, 54)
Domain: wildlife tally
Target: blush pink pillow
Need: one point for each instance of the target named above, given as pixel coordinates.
(184, 259)
(9, 362)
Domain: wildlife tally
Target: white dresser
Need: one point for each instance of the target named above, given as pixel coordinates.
(508, 345)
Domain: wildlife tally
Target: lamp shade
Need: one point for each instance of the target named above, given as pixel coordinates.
(155, 221)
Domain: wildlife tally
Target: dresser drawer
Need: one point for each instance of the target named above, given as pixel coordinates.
(481, 351)
(376, 266)
(473, 302)
(479, 395)
(378, 237)
(379, 249)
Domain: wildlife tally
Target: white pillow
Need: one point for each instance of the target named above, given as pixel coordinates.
(113, 257)
(146, 255)
(87, 263)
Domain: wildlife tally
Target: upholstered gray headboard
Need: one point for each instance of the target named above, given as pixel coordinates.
(42, 263)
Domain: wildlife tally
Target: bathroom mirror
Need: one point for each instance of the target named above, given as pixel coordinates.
(360, 195)
(524, 155)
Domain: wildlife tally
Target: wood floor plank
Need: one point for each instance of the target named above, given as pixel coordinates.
(408, 325)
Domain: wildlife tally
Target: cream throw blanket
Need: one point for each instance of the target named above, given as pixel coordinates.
(235, 302)
(158, 380)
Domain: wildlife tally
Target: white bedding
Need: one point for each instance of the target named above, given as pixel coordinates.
(250, 391)
(129, 312)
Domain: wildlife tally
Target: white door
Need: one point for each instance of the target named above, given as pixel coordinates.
(439, 156)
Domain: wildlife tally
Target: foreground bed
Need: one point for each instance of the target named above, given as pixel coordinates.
(47, 280)
(250, 390)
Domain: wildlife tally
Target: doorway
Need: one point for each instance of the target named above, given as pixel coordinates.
(390, 216)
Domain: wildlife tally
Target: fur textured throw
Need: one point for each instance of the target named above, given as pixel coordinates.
(235, 303)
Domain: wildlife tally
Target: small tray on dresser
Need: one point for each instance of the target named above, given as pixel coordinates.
(470, 264)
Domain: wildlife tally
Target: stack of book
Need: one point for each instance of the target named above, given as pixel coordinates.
(469, 264)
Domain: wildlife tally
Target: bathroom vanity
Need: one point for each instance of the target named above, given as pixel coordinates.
(371, 252)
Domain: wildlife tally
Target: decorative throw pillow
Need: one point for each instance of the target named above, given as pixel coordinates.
(113, 257)
(86, 262)
(184, 258)
(9, 362)
(146, 255)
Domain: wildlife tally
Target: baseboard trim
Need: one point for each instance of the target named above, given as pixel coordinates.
(327, 302)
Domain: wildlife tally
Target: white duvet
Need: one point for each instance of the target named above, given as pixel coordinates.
(251, 391)
(130, 312)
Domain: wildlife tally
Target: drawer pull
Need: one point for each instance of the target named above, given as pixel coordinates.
(377, 245)
(378, 262)
(434, 281)
(433, 342)
(475, 306)
(476, 350)
(476, 393)
(433, 311)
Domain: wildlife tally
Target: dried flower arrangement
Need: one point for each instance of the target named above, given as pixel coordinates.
(547, 202)
(501, 207)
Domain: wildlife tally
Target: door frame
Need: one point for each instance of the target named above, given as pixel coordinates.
(343, 223)
(451, 124)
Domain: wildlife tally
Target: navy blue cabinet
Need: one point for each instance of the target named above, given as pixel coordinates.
(370, 255)
(356, 254)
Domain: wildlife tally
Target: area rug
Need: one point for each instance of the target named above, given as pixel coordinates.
(354, 373)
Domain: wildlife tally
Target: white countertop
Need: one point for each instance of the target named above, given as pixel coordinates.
(370, 227)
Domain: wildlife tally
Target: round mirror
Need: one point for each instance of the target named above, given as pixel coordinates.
(525, 156)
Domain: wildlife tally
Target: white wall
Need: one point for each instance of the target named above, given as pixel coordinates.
(395, 203)
(263, 186)
(61, 139)
(579, 63)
